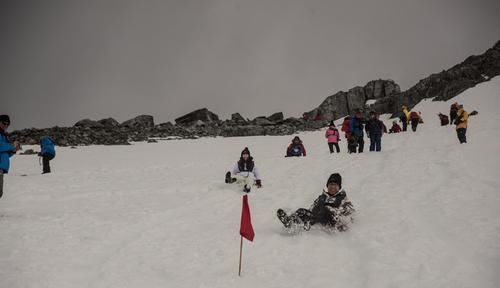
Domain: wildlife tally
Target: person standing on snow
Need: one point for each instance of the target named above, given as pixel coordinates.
(461, 122)
(7, 149)
(245, 172)
(415, 119)
(333, 137)
(356, 127)
(405, 117)
(47, 145)
(375, 129)
(331, 209)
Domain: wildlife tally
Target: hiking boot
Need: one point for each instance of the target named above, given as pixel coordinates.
(283, 218)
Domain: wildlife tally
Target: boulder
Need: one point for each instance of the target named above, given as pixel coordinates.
(199, 115)
(142, 121)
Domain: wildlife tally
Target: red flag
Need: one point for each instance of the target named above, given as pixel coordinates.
(246, 229)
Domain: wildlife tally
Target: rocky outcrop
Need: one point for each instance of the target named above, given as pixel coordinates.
(344, 103)
(383, 96)
(142, 121)
(197, 117)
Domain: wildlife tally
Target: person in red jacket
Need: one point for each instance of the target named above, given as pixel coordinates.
(333, 137)
(395, 127)
(296, 148)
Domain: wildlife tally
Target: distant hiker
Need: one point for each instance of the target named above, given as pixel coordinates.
(374, 129)
(415, 119)
(453, 112)
(7, 149)
(356, 127)
(461, 122)
(404, 117)
(296, 148)
(444, 119)
(47, 145)
(333, 137)
(331, 209)
(245, 172)
(395, 127)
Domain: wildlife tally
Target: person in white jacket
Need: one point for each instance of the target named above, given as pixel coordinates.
(245, 172)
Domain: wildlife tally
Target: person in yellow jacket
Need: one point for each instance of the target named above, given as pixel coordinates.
(461, 122)
(405, 117)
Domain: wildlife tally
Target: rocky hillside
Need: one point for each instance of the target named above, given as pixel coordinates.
(383, 96)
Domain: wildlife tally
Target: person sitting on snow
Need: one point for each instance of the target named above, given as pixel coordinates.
(395, 127)
(331, 209)
(245, 172)
(296, 148)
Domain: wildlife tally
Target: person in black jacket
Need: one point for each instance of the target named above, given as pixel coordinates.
(331, 209)
(375, 128)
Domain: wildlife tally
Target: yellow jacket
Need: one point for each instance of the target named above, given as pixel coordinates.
(462, 117)
(407, 114)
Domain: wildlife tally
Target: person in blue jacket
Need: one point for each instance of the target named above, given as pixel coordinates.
(356, 127)
(47, 145)
(7, 149)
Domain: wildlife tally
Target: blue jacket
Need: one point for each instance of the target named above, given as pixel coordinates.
(47, 146)
(6, 151)
(356, 126)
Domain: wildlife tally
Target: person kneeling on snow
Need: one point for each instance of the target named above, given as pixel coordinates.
(245, 172)
(331, 209)
(296, 148)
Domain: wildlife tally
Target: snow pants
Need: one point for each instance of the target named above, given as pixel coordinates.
(46, 162)
(1, 183)
(330, 145)
(375, 142)
(461, 135)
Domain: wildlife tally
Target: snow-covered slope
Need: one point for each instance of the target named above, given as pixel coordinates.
(159, 215)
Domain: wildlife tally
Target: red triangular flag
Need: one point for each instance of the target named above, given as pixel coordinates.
(246, 229)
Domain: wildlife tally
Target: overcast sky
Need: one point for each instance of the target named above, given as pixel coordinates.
(63, 61)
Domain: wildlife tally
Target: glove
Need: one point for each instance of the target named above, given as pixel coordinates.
(258, 183)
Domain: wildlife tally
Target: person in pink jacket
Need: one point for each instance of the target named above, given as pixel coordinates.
(333, 137)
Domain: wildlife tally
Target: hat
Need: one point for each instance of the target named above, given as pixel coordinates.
(5, 118)
(245, 151)
(335, 178)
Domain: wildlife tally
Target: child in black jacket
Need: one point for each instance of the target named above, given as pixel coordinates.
(332, 209)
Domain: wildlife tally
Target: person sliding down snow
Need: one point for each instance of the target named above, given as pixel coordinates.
(245, 172)
(331, 209)
(296, 148)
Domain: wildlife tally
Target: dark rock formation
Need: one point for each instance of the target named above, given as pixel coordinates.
(383, 96)
(344, 103)
(142, 121)
(195, 117)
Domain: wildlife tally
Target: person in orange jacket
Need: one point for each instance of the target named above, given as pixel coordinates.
(461, 123)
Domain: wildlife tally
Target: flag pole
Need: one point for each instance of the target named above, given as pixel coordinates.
(241, 250)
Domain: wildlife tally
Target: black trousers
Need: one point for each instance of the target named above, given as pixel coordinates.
(1, 183)
(414, 124)
(330, 145)
(360, 143)
(461, 135)
(46, 162)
